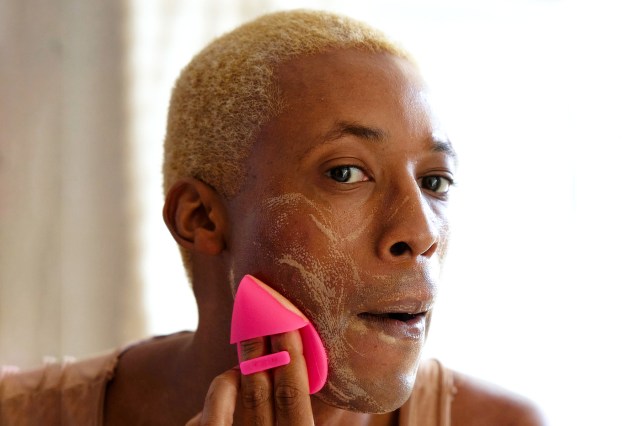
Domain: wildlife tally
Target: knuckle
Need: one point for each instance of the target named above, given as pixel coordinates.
(255, 396)
(251, 347)
(287, 395)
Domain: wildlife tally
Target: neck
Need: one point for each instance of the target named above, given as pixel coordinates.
(327, 415)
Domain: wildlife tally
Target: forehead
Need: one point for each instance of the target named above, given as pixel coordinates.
(377, 90)
(317, 79)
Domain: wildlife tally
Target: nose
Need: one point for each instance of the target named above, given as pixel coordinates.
(411, 227)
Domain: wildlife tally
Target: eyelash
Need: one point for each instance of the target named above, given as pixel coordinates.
(332, 174)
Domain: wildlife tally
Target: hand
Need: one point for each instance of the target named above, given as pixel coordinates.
(278, 396)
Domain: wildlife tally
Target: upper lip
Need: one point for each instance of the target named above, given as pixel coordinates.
(398, 294)
(413, 306)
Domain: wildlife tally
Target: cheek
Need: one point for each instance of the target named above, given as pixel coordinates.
(307, 259)
(308, 254)
(302, 253)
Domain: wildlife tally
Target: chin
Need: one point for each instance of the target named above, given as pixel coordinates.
(376, 394)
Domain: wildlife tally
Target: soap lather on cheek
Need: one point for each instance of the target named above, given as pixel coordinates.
(303, 241)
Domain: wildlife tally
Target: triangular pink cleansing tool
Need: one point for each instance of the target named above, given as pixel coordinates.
(256, 312)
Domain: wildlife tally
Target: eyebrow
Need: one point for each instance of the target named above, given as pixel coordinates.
(345, 128)
(445, 147)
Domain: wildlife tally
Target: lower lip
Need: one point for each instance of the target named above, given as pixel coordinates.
(412, 329)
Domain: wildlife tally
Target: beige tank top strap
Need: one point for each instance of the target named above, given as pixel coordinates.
(446, 394)
(430, 401)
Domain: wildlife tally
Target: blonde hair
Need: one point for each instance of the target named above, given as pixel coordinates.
(229, 91)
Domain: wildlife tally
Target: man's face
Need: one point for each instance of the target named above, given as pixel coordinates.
(344, 213)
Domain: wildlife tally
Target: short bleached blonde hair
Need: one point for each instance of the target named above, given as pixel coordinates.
(228, 91)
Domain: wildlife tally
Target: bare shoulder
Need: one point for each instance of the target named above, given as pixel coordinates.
(478, 403)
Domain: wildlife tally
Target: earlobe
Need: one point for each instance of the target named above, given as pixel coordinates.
(196, 216)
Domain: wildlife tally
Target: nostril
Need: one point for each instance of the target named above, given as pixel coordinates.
(398, 249)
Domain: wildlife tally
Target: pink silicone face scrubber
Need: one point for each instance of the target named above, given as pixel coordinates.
(256, 313)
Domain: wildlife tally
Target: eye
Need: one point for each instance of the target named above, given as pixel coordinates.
(437, 184)
(347, 174)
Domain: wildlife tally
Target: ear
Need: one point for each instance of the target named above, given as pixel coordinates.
(195, 214)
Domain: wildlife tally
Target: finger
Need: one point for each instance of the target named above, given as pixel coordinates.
(220, 402)
(195, 420)
(291, 383)
(255, 405)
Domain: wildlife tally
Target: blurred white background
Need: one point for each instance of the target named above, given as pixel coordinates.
(541, 100)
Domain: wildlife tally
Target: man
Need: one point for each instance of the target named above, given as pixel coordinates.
(300, 149)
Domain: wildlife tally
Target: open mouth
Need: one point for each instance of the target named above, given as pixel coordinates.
(400, 325)
(398, 316)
